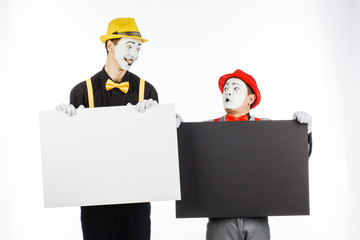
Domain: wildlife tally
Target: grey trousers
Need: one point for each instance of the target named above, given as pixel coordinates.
(238, 229)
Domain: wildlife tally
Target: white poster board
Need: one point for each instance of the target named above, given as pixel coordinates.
(109, 155)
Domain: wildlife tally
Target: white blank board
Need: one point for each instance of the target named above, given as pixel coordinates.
(109, 155)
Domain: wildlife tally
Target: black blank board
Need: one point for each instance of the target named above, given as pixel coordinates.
(243, 169)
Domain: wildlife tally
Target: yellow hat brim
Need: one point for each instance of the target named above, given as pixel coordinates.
(104, 38)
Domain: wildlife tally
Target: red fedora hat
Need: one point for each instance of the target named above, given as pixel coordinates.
(247, 78)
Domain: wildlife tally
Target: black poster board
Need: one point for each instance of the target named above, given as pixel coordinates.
(243, 169)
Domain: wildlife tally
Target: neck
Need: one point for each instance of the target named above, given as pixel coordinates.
(113, 69)
(237, 112)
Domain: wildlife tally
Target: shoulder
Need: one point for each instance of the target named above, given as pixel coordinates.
(78, 94)
(149, 86)
(133, 77)
(136, 78)
(96, 79)
(220, 119)
(253, 118)
(80, 88)
(150, 91)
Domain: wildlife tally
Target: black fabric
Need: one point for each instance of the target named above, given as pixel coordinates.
(114, 97)
(120, 221)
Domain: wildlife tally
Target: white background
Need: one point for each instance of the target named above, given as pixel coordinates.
(303, 54)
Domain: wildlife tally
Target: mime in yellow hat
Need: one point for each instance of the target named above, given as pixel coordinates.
(114, 85)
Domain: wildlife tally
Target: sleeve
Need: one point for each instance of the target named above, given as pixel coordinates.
(78, 95)
(310, 143)
(150, 92)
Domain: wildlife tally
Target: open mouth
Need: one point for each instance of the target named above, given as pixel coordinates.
(129, 61)
(227, 100)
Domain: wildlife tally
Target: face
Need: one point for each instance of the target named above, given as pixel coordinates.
(234, 94)
(126, 52)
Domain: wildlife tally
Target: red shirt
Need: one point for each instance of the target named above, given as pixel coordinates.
(230, 118)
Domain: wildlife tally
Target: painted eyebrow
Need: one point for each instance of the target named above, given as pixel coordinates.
(236, 84)
(131, 42)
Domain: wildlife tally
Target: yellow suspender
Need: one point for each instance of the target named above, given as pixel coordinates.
(141, 89)
(91, 93)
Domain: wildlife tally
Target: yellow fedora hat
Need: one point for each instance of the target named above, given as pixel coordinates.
(120, 28)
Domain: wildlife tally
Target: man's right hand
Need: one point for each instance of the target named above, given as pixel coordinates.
(179, 120)
(68, 109)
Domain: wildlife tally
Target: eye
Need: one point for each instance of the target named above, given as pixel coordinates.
(129, 46)
(225, 89)
(236, 88)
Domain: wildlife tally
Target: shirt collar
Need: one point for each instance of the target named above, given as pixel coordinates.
(245, 117)
(104, 76)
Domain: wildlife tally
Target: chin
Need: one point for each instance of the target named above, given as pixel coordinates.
(125, 66)
(230, 107)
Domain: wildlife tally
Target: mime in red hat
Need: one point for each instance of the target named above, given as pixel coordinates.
(240, 94)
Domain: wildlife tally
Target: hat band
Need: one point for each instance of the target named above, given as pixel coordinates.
(137, 34)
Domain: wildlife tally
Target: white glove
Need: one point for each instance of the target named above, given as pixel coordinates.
(68, 109)
(144, 104)
(179, 120)
(303, 117)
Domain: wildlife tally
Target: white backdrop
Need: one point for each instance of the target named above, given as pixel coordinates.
(303, 54)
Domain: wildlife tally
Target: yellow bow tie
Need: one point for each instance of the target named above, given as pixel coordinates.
(124, 86)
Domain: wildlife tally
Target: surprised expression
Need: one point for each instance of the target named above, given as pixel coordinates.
(234, 93)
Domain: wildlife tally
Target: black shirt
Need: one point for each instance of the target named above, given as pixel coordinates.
(114, 97)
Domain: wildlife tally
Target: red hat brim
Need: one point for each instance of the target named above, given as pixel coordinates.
(247, 78)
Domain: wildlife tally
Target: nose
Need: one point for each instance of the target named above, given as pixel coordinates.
(133, 56)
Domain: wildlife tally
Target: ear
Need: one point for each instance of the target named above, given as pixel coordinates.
(110, 46)
(252, 98)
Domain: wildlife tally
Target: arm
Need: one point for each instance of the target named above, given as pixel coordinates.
(305, 118)
(78, 99)
(78, 95)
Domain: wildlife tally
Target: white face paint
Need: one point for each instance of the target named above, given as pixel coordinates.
(127, 51)
(234, 93)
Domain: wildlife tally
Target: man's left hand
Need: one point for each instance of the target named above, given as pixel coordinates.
(303, 117)
(144, 104)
